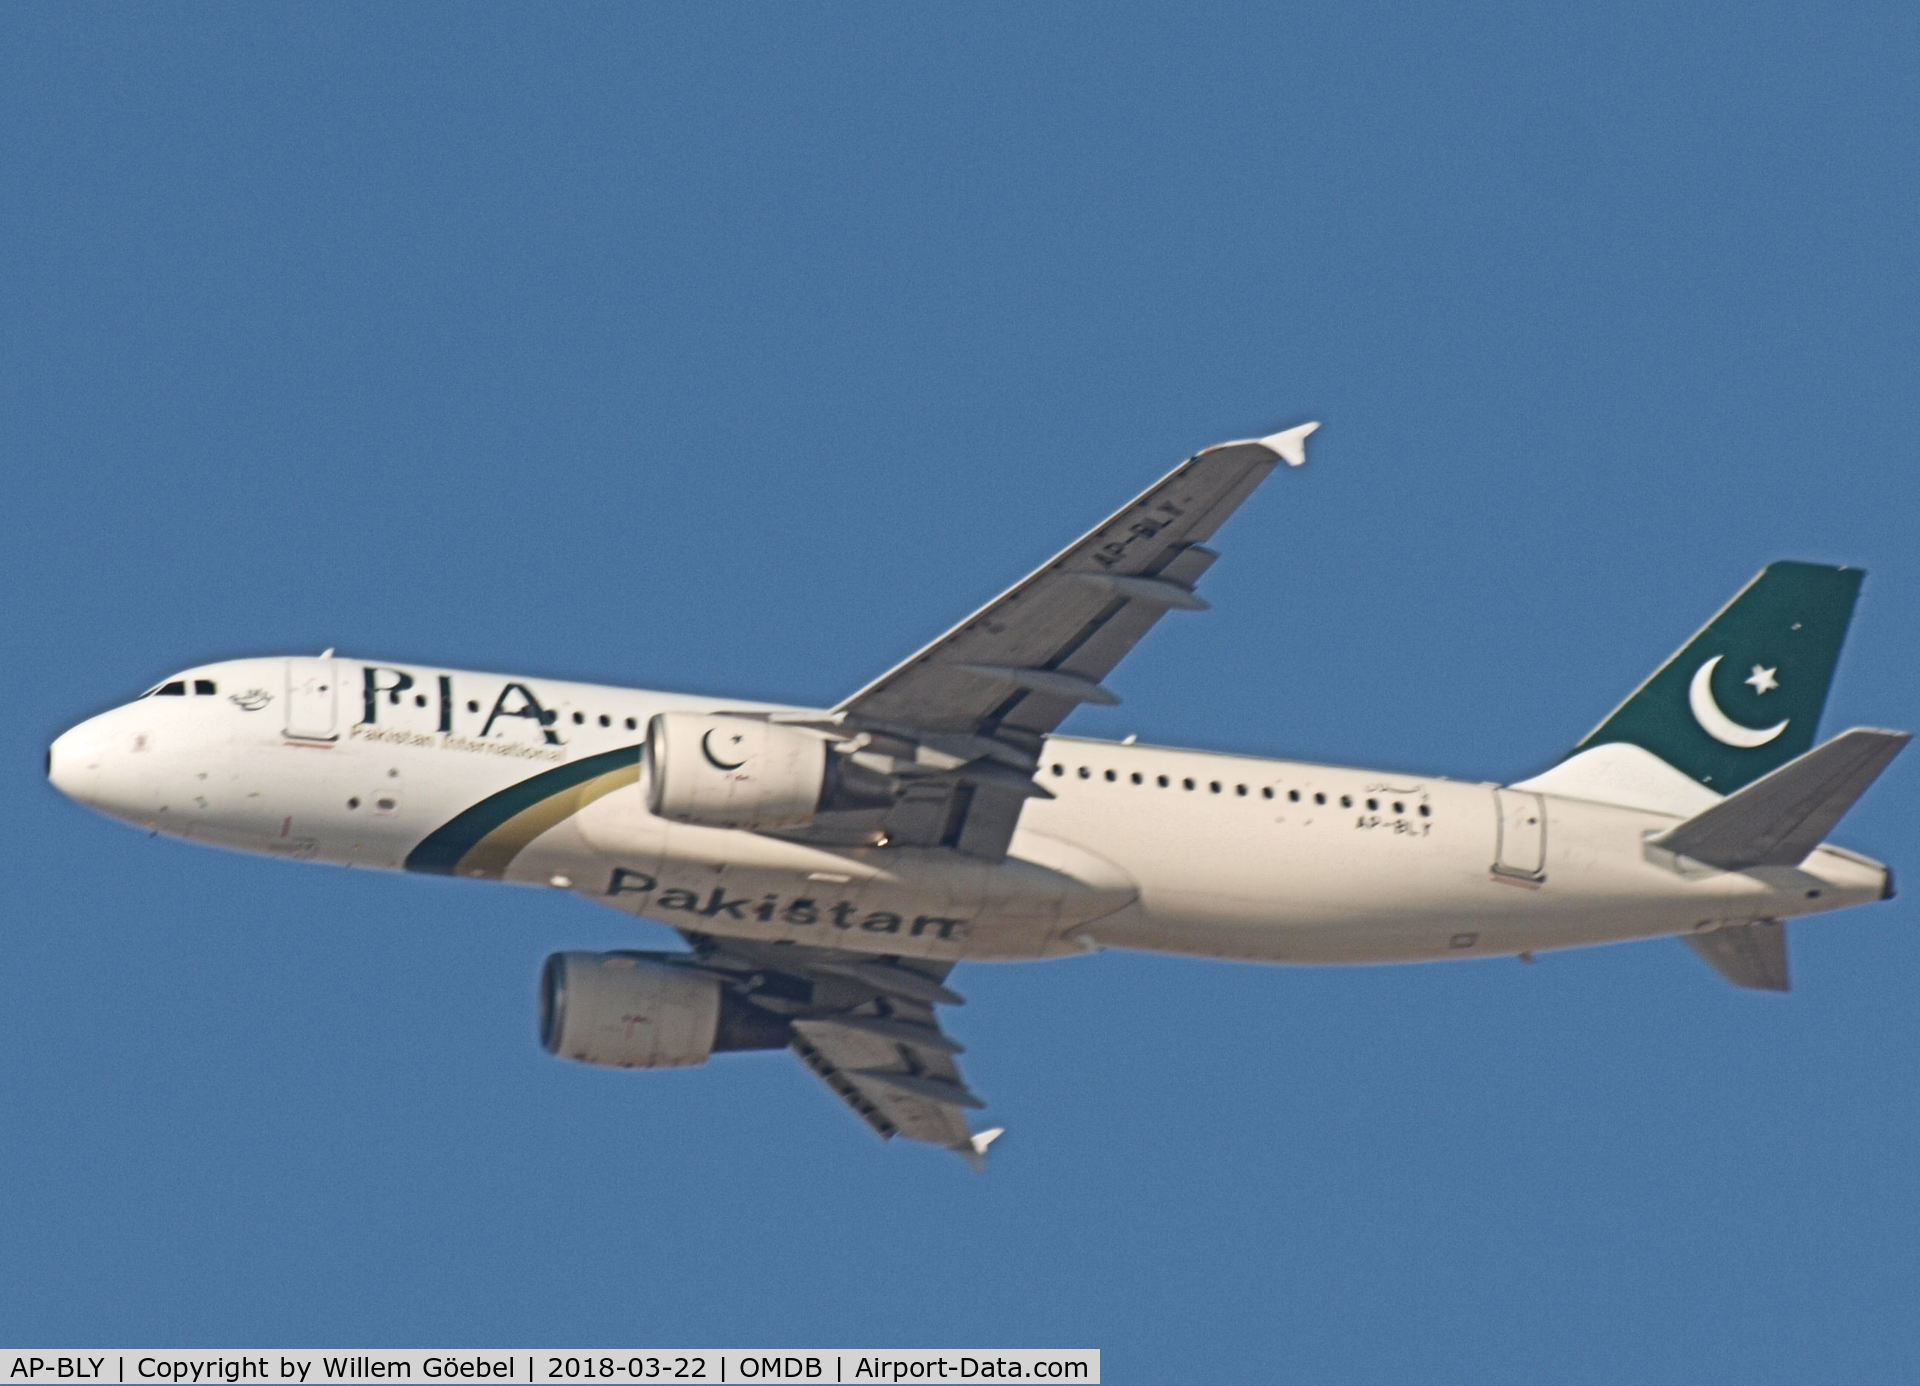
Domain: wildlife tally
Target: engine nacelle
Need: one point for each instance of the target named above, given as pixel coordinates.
(637, 1010)
(733, 772)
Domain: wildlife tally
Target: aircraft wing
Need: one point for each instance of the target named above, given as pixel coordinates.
(960, 723)
(867, 1028)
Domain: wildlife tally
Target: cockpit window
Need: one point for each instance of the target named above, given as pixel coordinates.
(176, 689)
(203, 687)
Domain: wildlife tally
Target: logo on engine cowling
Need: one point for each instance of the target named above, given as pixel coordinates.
(706, 749)
(798, 911)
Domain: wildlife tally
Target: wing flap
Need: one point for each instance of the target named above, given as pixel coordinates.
(986, 821)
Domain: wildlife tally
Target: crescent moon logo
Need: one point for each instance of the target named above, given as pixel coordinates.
(706, 749)
(1716, 723)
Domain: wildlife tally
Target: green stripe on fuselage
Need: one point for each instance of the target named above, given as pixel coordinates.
(483, 840)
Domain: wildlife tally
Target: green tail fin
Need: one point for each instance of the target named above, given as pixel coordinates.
(1743, 697)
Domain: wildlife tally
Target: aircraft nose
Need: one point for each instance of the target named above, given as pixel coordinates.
(79, 765)
(67, 762)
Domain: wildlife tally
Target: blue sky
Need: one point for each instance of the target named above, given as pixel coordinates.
(745, 348)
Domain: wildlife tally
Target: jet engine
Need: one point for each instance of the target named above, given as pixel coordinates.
(646, 1010)
(733, 772)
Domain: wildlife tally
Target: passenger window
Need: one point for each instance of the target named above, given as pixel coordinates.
(419, 700)
(1293, 796)
(1059, 769)
(605, 720)
(1425, 812)
(1346, 801)
(1085, 773)
(635, 726)
(203, 687)
(1399, 807)
(1241, 790)
(1188, 784)
(1266, 793)
(1373, 805)
(176, 689)
(1161, 780)
(1319, 798)
(1138, 778)
(579, 719)
(1111, 777)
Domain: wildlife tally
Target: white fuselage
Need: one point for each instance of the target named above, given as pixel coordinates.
(541, 781)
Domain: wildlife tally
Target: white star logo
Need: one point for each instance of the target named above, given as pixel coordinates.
(1762, 680)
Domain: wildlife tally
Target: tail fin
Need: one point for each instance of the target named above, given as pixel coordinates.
(1743, 697)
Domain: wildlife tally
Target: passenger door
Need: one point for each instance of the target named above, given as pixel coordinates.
(312, 700)
(1522, 848)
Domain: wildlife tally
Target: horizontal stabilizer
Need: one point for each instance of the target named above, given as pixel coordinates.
(1748, 955)
(1780, 818)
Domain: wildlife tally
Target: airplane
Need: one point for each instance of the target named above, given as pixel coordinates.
(828, 867)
